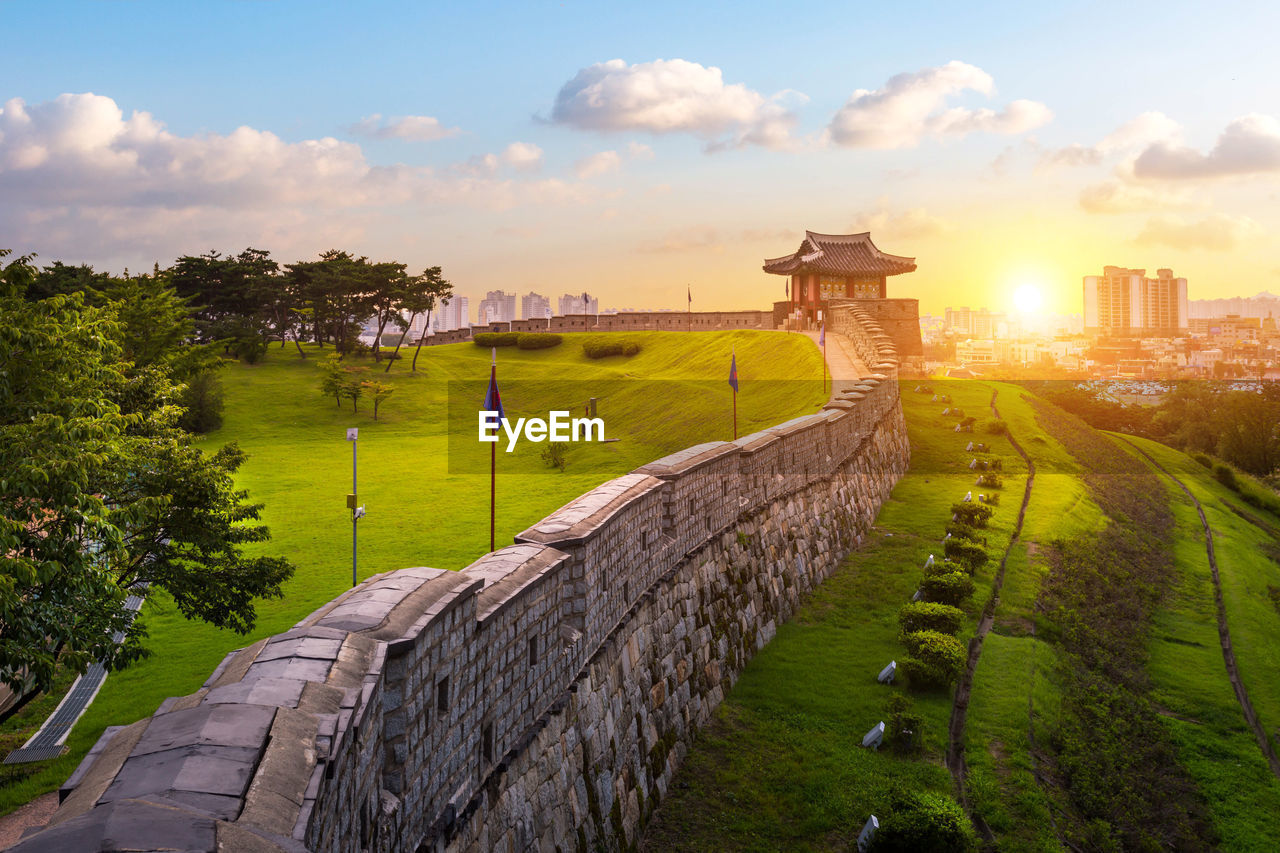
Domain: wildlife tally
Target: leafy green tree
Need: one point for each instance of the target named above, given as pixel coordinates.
(352, 389)
(332, 376)
(378, 392)
(102, 493)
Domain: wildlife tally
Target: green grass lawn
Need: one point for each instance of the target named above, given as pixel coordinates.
(1186, 666)
(426, 507)
(781, 767)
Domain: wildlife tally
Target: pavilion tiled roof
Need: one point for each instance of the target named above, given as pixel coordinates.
(839, 254)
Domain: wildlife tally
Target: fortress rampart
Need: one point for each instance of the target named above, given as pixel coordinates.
(541, 698)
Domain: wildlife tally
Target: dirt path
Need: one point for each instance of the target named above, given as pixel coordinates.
(960, 706)
(1224, 635)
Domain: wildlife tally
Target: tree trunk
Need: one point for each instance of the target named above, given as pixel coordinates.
(396, 354)
(297, 343)
(420, 340)
(377, 341)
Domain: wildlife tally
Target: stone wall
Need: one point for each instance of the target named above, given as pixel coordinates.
(634, 321)
(541, 698)
(898, 318)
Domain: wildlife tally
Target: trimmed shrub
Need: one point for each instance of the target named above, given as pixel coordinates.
(930, 616)
(1226, 477)
(936, 660)
(967, 553)
(972, 514)
(538, 340)
(960, 530)
(954, 588)
(600, 346)
(991, 481)
(905, 729)
(924, 822)
(995, 426)
(497, 339)
(1203, 460)
(940, 567)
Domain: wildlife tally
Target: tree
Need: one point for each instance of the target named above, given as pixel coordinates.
(102, 492)
(352, 389)
(386, 289)
(379, 391)
(332, 376)
(433, 288)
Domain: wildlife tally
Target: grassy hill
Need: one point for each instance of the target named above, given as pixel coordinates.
(428, 501)
(1169, 754)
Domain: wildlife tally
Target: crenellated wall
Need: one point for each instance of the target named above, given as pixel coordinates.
(541, 698)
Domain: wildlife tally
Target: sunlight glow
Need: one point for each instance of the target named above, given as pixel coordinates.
(1028, 299)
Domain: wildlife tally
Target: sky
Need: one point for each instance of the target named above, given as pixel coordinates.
(634, 151)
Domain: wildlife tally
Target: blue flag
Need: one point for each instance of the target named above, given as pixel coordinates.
(822, 335)
(492, 399)
(733, 372)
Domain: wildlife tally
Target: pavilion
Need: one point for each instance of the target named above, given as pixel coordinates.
(835, 266)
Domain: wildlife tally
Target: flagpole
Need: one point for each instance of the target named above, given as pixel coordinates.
(824, 356)
(735, 398)
(493, 457)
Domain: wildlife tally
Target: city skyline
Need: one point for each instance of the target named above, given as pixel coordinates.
(633, 159)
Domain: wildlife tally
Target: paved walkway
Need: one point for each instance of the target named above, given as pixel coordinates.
(843, 364)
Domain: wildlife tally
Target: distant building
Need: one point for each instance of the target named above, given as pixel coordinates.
(1124, 302)
(454, 313)
(497, 307)
(582, 303)
(979, 324)
(534, 306)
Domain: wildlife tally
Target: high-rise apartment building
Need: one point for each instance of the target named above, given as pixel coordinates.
(581, 303)
(534, 306)
(497, 307)
(450, 314)
(1125, 302)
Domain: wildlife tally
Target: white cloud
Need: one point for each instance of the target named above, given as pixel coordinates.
(911, 224)
(687, 239)
(1135, 134)
(411, 128)
(673, 96)
(1217, 232)
(910, 106)
(600, 163)
(639, 151)
(1120, 197)
(1247, 146)
(74, 172)
(523, 156)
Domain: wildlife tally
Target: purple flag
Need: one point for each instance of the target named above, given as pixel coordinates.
(492, 399)
(733, 372)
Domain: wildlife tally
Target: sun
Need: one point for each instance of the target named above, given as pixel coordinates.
(1028, 299)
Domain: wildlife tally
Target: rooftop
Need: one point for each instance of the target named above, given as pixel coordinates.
(839, 254)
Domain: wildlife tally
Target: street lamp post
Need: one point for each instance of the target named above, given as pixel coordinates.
(357, 512)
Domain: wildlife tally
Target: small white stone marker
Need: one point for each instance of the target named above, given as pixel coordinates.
(969, 447)
(916, 597)
(875, 737)
(968, 497)
(928, 562)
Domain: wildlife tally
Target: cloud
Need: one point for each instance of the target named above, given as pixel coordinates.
(912, 224)
(910, 107)
(1135, 134)
(75, 172)
(1218, 232)
(1249, 145)
(604, 162)
(673, 96)
(598, 164)
(520, 156)
(1118, 197)
(684, 240)
(411, 128)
